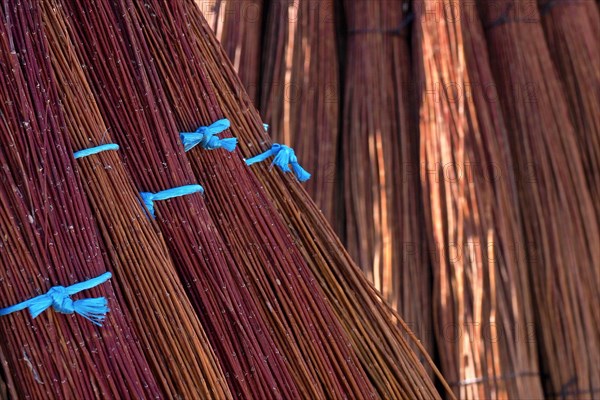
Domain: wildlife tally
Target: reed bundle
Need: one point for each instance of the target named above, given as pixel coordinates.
(176, 345)
(300, 92)
(561, 229)
(573, 35)
(238, 25)
(309, 334)
(301, 322)
(482, 307)
(228, 307)
(383, 347)
(383, 213)
(49, 239)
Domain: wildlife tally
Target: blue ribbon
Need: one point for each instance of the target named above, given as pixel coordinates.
(58, 297)
(205, 136)
(150, 198)
(284, 157)
(95, 150)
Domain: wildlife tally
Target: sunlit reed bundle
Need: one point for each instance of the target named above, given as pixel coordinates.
(238, 26)
(225, 301)
(300, 92)
(175, 342)
(382, 197)
(557, 208)
(260, 244)
(572, 30)
(383, 347)
(49, 239)
(482, 307)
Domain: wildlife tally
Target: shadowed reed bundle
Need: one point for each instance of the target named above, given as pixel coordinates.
(238, 25)
(382, 198)
(300, 92)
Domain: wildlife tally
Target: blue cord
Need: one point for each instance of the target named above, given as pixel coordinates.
(150, 198)
(95, 150)
(206, 137)
(284, 156)
(58, 297)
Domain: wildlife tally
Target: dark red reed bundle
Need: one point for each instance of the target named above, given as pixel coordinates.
(308, 334)
(558, 213)
(482, 305)
(48, 239)
(300, 92)
(176, 346)
(572, 30)
(238, 26)
(383, 214)
(383, 348)
(286, 288)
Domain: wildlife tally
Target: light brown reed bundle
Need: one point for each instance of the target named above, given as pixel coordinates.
(382, 197)
(383, 347)
(309, 334)
(557, 208)
(572, 30)
(300, 92)
(175, 342)
(482, 305)
(238, 26)
(48, 238)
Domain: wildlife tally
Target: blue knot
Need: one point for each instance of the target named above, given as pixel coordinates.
(58, 297)
(95, 150)
(284, 157)
(205, 136)
(149, 198)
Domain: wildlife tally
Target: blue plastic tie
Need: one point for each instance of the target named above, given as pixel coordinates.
(266, 126)
(205, 136)
(95, 150)
(150, 198)
(284, 157)
(58, 297)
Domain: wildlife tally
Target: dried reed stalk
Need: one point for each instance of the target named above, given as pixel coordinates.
(175, 342)
(309, 334)
(482, 303)
(573, 34)
(383, 347)
(230, 311)
(300, 92)
(382, 196)
(49, 238)
(558, 213)
(238, 26)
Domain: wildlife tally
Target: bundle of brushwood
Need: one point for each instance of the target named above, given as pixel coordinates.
(562, 233)
(229, 310)
(573, 34)
(384, 216)
(140, 260)
(383, 348)
(301, 323)
(300, 92)
(238, 26)
(49, 243)
(481, 286)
